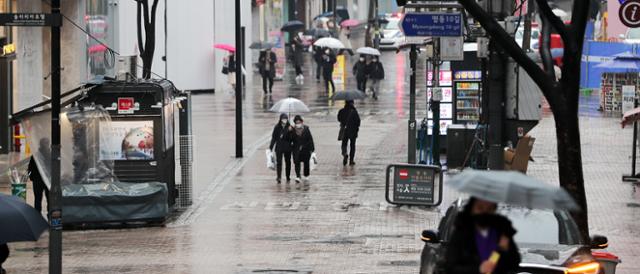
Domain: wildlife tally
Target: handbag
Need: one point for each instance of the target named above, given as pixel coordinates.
(225, 70)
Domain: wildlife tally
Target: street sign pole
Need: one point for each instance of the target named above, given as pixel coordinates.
(413, 57)
(435, 132)
(238, 60)
(55, 198)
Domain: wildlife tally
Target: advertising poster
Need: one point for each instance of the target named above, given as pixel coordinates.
(339, 71)
(445, 78)
(126, 140)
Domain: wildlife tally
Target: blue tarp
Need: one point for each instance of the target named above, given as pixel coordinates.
(595, 53)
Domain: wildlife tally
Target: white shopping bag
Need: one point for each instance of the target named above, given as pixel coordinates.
(313, 162)
(271, 161)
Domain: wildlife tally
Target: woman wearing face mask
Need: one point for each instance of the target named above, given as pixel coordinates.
(328, 59)
(282, 139)
(482, 241)
(376, 73)
(303, 147)
(360, 72)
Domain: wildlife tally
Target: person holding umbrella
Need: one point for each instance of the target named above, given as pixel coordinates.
(482, 241)
(282, 139)
(267, 66)
(229, 68)
(328, 59)
(376, 73)
(303, 147)
(349, 127)
(298, 47)
(360, 71)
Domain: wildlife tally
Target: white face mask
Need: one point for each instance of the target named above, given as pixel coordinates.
(375, 60)
(327, 51)
(361, 59)
(299, 126)
(283, 121)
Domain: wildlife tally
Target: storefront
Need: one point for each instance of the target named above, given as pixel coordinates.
(7, 59)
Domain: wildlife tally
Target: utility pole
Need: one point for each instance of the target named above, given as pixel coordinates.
(55, 198)
(238, 59)
(376, 26)
(413, 57)
(436, 97)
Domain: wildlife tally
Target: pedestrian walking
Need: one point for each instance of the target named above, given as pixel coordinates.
(317, 56)
(482, 241)
(229, 68)
(303, 147)
(39, 187)
(345, 38)
(4, 254)
(282, 140)
(349, 126)
(376, 73)
(328, 60)
(297, 46)
(267, 66)
(360, 71)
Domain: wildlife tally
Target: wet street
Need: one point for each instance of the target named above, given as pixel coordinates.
(338, 222)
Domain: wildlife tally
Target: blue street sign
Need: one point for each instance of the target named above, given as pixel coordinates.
(432, 24)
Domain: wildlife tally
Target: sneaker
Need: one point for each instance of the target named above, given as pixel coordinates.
(298, 180)
(344, 160)
(305, 179)
(288, 180)
(279, 180)
(352, 163)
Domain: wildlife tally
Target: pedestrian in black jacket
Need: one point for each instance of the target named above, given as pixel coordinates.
(350, 123)
(317, 56)
(4, 254)
(282, 140)
(360, 72)
(303, 147)
(267, 65)
(298, 47)
(39, 187)
(328, 59)
(479, 233)
(376, 73)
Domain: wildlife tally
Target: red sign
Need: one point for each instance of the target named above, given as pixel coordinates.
(125, 105)
(404, 174)
(629, 13)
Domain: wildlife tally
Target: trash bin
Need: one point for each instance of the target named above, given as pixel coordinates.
(19, 190)
(608, 261)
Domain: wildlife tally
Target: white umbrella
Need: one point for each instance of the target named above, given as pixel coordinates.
(513, 188)
(560, 13)
(328, 42)
(368, 51)
(289, 105)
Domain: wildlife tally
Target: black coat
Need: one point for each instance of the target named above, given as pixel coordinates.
(282, 138)
(360, 70)
(376, 70)
(297, 48)
(317, 55)
(327, 64)
(262, 64)
(350, 119)
(461, 255)
(303, 144)
(231, 65)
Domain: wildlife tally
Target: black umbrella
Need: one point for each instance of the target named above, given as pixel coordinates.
(381, 20)
(261, 45)
(317, 32)
(350, 95)
(20, 222)
(326, 14)
(292, 26)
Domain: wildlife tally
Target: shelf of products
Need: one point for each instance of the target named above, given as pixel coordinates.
(611, 88)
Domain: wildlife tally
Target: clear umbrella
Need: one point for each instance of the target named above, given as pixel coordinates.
(289, 105)
(329, 42)
(513, 188)
(368, 51)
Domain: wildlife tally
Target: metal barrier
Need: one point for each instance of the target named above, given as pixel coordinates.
(185, 185)
(414, 185)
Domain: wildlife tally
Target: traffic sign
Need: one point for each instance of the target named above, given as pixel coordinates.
(432, 24)
(30, 19)
(629, 13)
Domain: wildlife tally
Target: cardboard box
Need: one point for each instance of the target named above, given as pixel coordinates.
(518, 159)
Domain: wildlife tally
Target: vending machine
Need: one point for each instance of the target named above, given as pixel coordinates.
(467, 85)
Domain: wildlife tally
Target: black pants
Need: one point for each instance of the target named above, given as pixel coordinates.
(4, 253)
(362, 84)
(352, 148)
(267, 79)
(318, 70)
(38, 189)
(299, 159)
(298, 69)
(287, 161)
(329, 82)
